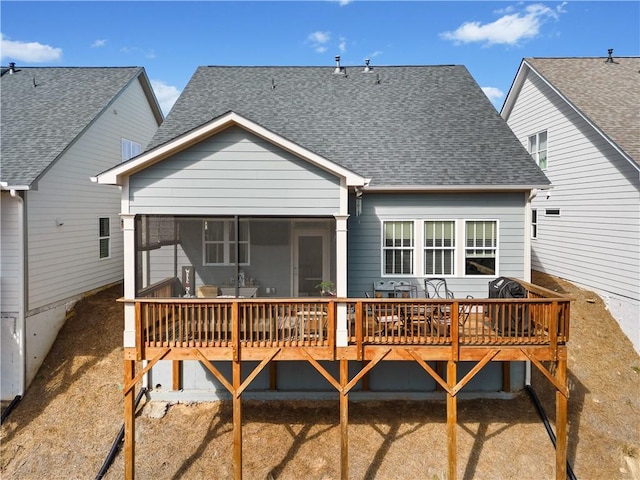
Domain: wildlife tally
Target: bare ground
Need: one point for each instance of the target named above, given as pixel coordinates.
(72, 412)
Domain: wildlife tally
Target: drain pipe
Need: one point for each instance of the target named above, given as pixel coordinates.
(547, 426)
(116, 444)
(10, 407)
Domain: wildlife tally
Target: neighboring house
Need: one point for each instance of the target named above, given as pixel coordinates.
(60, 233)
(278, 178)
(580, 119)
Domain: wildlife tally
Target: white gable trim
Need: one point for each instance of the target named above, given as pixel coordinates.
(513, 94)
(115, 176)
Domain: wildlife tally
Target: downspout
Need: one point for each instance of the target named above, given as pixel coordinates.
(527, 269)
(21, 290)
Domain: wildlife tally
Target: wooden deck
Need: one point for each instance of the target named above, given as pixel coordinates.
(342, 330)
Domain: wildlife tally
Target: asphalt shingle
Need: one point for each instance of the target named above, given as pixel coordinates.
(43, 109)
(608, 93)
(424, 126)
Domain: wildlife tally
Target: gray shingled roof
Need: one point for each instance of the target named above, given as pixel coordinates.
(399, 126)
(606, 93)
(39, 122)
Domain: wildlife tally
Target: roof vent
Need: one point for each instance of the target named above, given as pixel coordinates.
(367, 68)
(12, 67)
(610, 57)
(338, 69)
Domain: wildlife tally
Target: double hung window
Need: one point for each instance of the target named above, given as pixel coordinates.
(398, 246)
(426, 247)
(129, 149)
(104, 237)
(220, 245)
(439, 247)
(481, 247)
(538, 149)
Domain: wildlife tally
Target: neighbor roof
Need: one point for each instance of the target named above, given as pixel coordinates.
(44, 109)
(411, 126)
(607, 93)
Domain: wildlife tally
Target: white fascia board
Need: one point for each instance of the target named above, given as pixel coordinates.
(456, 188)
(6, 186)
(114, 176)
(514, 91)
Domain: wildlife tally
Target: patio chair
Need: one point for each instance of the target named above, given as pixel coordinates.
(387, 319)
(438, 288)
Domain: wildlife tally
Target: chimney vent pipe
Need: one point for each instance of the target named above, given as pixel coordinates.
(12, 67)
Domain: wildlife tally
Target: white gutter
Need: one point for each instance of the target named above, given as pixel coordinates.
(456, 188)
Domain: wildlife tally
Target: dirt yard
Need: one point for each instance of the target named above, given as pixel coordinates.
(71, 414)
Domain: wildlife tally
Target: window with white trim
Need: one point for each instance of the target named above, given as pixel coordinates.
(538, 149)
(104, 237)
(129, 149)
(439, 247)
(220, 246)
(398, 247)
(481, 247)
(534, 223)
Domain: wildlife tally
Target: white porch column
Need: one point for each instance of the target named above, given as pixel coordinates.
(341, 278)
(129, 239)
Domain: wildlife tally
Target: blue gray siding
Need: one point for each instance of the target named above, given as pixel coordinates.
(365, 234)
(234, 173)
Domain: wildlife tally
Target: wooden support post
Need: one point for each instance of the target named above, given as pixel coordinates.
(506, 376)
(129, 422)
(176, 375)
(561, 420)
(452, 420)
(273, 376)
(344, 420)
(237, 421)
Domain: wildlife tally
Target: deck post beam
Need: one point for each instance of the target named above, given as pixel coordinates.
(176, 375)
(129, 422)
(452, 420)
(237, 421)
(344, 420)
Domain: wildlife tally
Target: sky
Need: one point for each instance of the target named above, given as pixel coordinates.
(170, 39)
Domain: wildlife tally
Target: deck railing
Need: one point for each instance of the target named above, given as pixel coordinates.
(540, 319)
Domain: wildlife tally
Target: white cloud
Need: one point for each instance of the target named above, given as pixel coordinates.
(493, 93)
(31, 52)
(344, 2)
(166, 95)
(509, 29)
(98, 43)
(319, 40)
(320, 37)
(133, 50)
(342, 46)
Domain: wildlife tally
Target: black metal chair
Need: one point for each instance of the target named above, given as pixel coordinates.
(437, 287)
